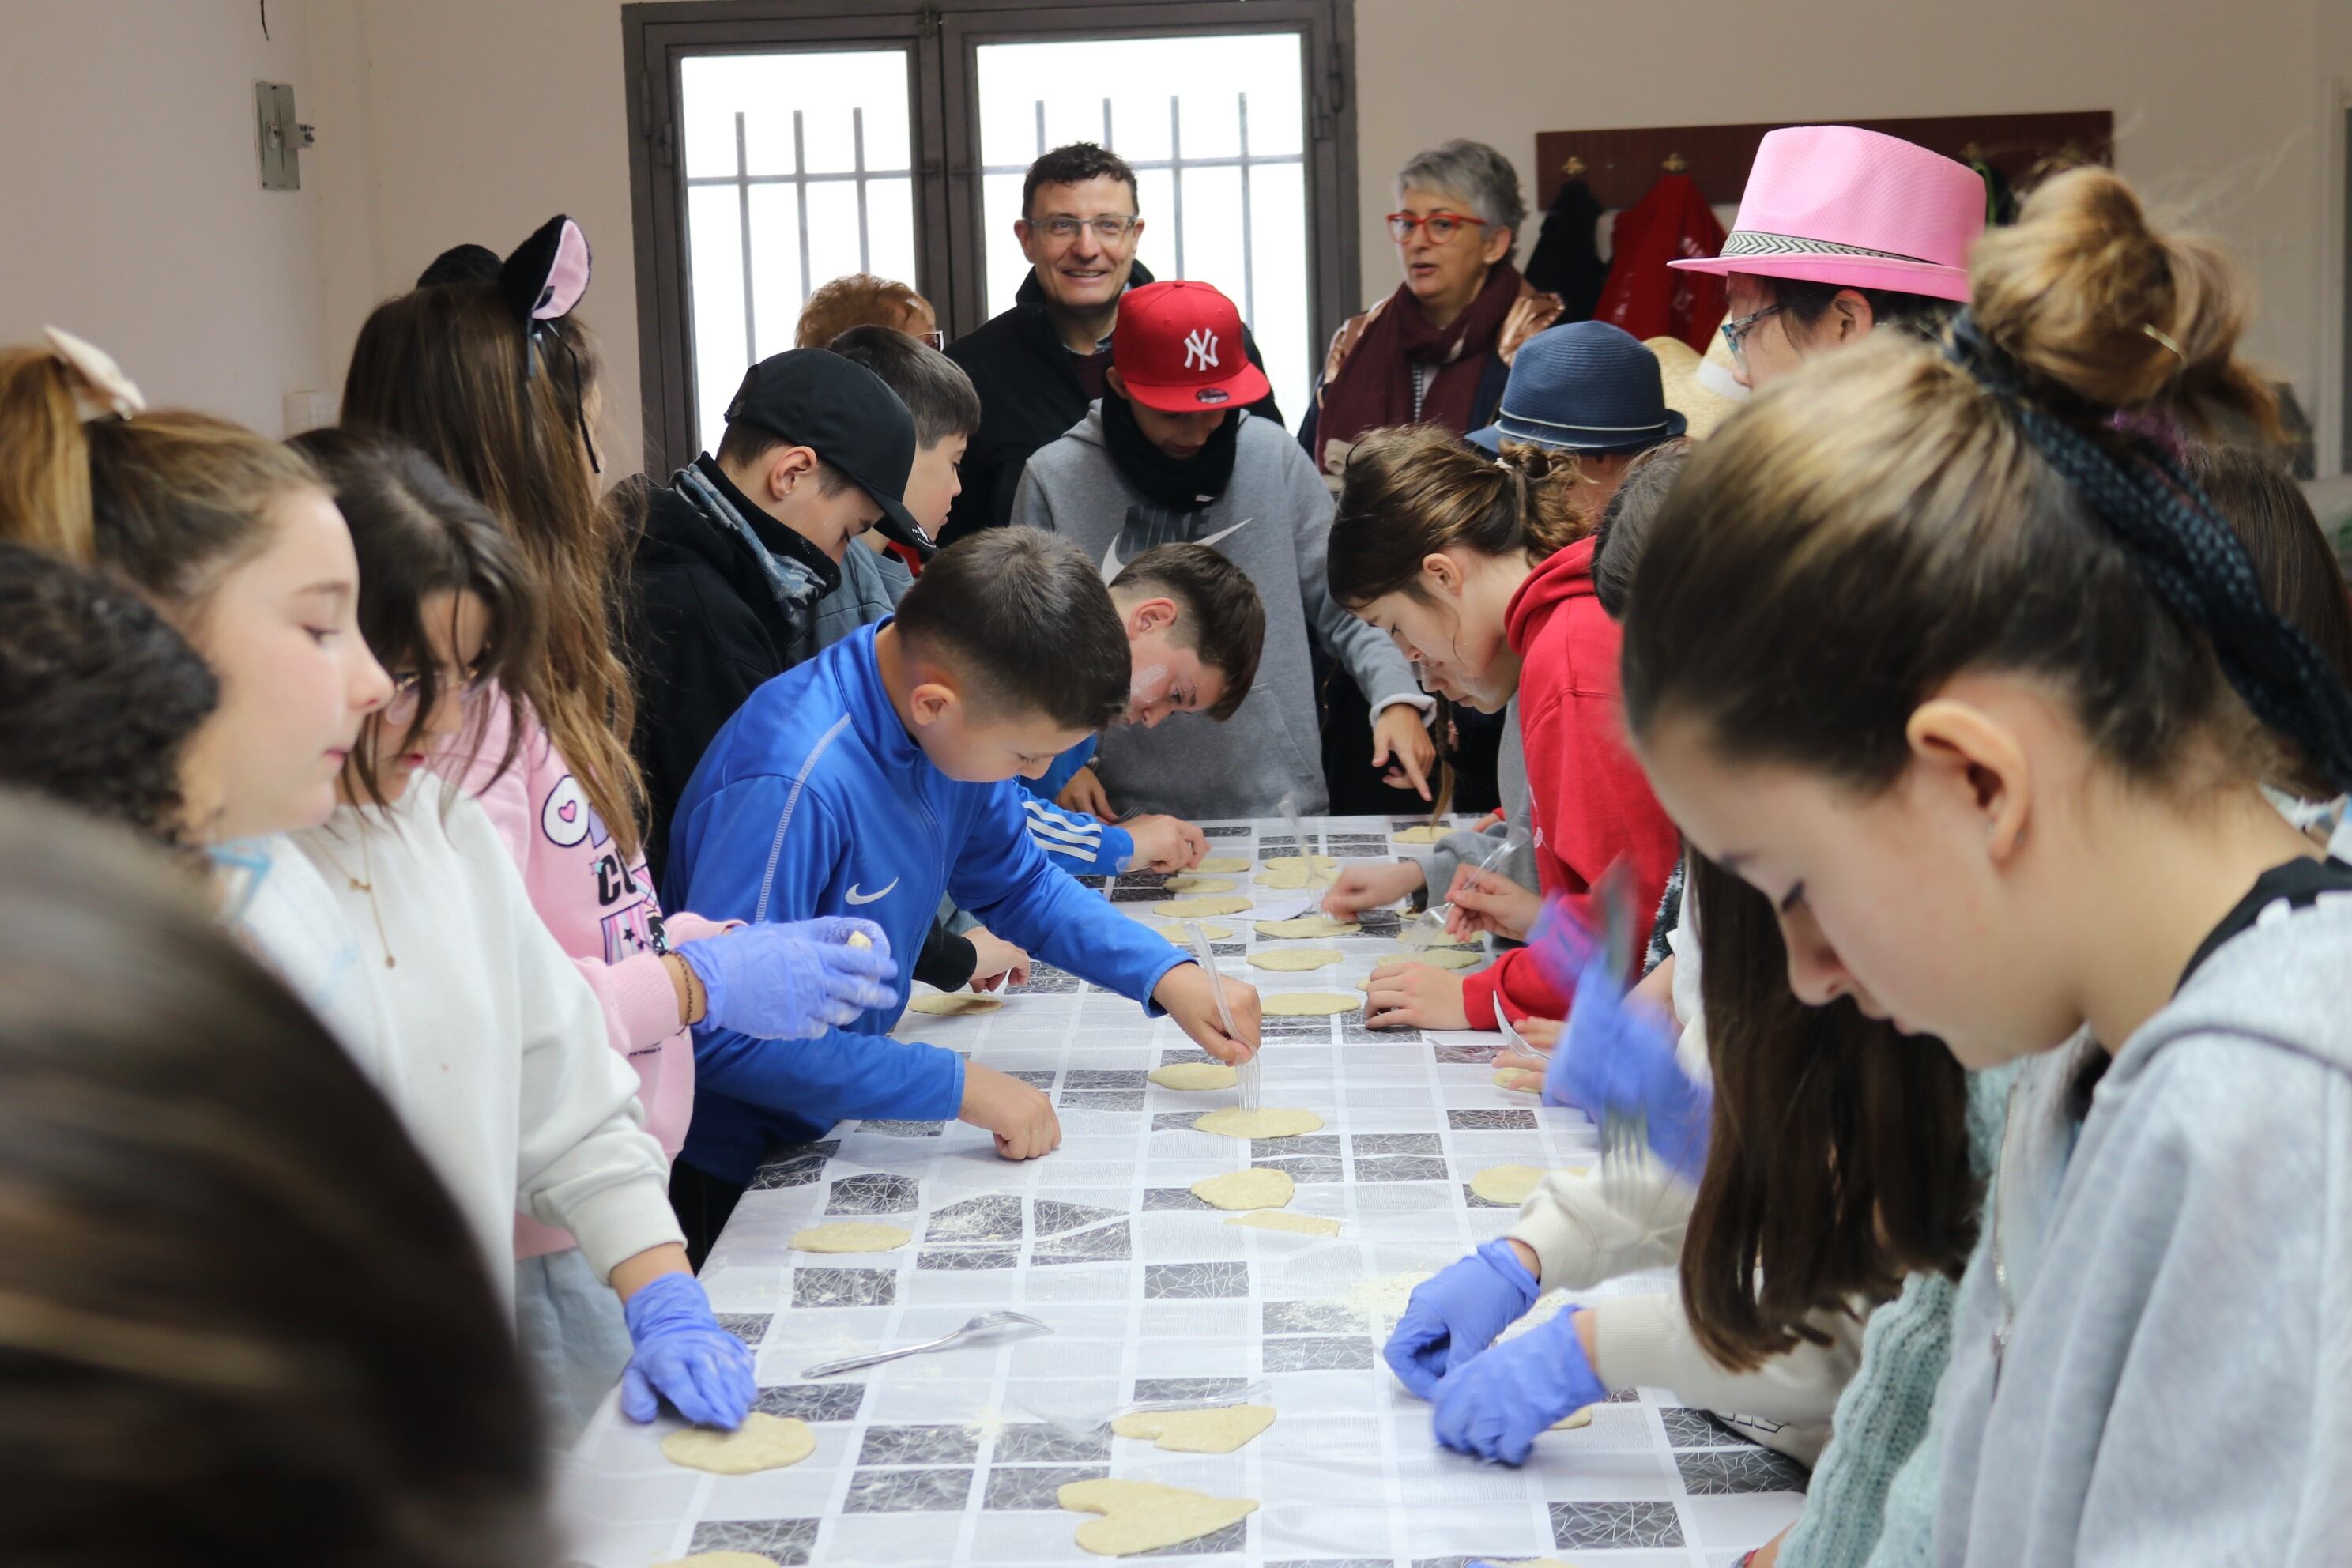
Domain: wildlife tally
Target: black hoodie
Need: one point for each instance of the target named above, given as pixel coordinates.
(1029, 395)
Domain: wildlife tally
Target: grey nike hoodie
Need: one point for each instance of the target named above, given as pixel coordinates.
(1273, 521)
(2173, 1271)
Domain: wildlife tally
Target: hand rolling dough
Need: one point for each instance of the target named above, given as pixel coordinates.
(1269, 1123)
(1140, 1516)
(1192, 1075)
(954, 1003)
(1217, 1431)
(1295, 958)
(1259, 1187)
(851, 1236)
(763, 1442)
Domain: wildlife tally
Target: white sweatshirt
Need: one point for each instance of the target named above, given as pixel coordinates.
(493, 1047)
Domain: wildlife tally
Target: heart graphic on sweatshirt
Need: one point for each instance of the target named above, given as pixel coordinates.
(564, 815)
(569, 811)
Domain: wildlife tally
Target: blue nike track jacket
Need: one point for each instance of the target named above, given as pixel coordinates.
(815, 800)
(1081, 843)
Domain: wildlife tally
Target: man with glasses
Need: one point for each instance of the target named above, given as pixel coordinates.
(1040, 365)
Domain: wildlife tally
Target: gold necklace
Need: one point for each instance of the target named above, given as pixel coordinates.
(367, 864)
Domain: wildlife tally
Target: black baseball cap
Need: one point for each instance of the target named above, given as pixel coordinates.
(849, 416)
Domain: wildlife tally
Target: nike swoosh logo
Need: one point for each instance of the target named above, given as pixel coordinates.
(854, 897)
(1112, 566)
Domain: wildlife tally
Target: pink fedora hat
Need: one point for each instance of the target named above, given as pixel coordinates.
(1831, 204)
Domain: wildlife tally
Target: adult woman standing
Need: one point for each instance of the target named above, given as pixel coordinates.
(1434, 352)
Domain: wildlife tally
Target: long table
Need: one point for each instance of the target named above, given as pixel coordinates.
(955, 1459)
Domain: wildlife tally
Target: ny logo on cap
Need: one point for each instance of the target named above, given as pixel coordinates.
(1201, 349)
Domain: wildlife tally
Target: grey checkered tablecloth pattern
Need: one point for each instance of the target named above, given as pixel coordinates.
(955, 1459)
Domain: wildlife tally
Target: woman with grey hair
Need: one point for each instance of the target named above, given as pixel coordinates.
(1434, 352)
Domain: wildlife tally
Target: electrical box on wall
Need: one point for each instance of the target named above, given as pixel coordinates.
(279, 137)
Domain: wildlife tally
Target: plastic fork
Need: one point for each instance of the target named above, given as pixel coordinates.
(1434, 915)
(1245, 1076)
(1624, 1134)
(979, 1325)
(1289, 808)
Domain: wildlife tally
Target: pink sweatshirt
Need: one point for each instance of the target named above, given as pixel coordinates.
(603, 913)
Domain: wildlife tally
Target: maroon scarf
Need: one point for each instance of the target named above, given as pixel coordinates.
(1375, 385)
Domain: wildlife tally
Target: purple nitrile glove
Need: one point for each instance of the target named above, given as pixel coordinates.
(1450, 1318)
(1497, 1405)
(792, 981)
(684, 1356)
(1618, 1053)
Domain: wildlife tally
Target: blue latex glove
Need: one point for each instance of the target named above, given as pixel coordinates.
(792, 981)
(1498, 1405)
(1618, 1054)
(684, 1356)
(1453, 1316)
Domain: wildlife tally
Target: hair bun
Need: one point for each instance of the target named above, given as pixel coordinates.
(2082, 292)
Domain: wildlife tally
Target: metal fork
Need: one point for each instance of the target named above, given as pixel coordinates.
(1624, 1134)
(1245, 1076)
(981, 1324)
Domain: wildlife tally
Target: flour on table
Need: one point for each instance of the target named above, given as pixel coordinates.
(851, 1236)
(1142, 1516)
(1269, 1123)
(954, 1004)
(1295, 958)
(1259, 1187)
(1218, 1431)
(1192, 1075)
(763, 1442)
(1307, 1003)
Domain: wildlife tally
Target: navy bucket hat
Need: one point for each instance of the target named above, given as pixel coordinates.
(1584, 386)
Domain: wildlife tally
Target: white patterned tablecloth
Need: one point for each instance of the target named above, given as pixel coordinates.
(945, 1459)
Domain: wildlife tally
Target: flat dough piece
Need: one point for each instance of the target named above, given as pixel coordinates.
(857, 939)
(1298, 862)
(1295, 875)
(1192, 1075)
(1451, 957)
(1192, 908)
(1422, 833)
(851, 1236)
(1270, 1123)
(763, 1442)
(1143, 1516)
(1573, 1419)
(1309, 925)
(954, 1003)
(1278, 1219)
(1508, 1077)
(1223, 863)
(720, 1560)
(1180, 936)
(1257, 1188)
(1217, 1431)
(1188, 882)
(1307, 1003)
(1295, 958)
(1513, 1184)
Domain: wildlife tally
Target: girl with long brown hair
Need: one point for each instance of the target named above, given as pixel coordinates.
(487, 372)
(1979, 691)
(1481, 570)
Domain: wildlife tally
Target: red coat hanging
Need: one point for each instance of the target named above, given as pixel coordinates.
(1647, 296)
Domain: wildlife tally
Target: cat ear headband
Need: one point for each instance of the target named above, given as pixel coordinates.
(98, 380)
(541, 282)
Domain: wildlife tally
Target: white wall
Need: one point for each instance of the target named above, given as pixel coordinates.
(130, 201)
(2217, 106)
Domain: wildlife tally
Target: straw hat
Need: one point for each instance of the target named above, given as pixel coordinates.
(1701, 390)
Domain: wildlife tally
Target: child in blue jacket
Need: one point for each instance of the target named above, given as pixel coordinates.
(872, 778)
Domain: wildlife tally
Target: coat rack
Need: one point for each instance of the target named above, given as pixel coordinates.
(1622, 165)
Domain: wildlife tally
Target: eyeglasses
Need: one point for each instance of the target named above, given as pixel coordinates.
(408, 686)
(1733, 332)
(1108, 229)
(1443, 226)
(936, 338)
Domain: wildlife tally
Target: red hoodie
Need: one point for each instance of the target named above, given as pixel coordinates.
(1587, 795)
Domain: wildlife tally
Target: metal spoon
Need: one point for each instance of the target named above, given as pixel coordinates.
(981, 1324)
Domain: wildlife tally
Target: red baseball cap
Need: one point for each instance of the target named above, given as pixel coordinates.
(1177, 347)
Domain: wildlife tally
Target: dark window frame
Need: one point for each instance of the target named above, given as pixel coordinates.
(942, 45)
